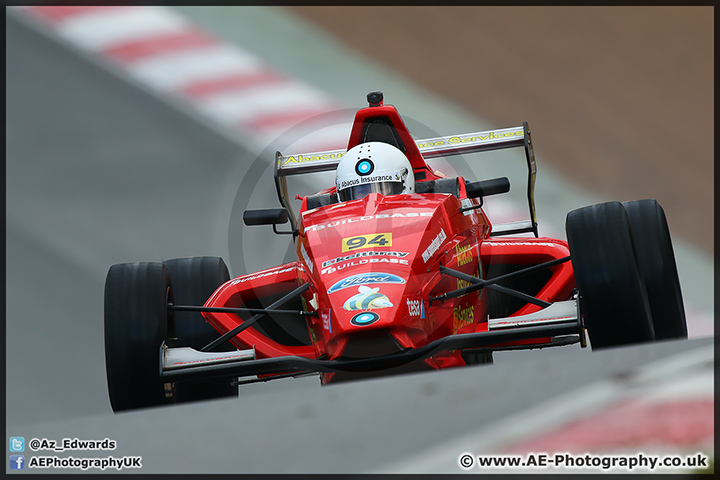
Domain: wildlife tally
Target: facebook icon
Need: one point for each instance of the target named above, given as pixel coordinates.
(17, 462)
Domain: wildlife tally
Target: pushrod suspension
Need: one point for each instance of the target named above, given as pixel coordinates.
(479, 283)
(189, 308)
(298, 291)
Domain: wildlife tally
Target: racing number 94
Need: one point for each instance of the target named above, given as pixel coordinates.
(367, 241)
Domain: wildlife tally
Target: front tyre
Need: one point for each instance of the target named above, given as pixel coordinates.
(136, 324)
(658, 270)
(613, 300)
(194, 280)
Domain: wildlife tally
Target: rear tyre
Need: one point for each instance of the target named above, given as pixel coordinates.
(136, 324)
(658, 270)
(194, 280)
(613, 300)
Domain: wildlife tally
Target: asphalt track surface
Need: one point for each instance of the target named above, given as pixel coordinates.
(100, 172)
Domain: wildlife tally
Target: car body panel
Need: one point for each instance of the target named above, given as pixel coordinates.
(373, 264)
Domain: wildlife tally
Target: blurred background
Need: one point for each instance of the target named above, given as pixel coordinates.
(113, 155)
(620, 99)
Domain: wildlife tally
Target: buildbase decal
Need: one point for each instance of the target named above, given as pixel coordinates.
(363, 261)
(337, 223)
(257, 275)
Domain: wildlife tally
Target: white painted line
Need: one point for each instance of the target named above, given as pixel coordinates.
(675, 366)
(693, 385)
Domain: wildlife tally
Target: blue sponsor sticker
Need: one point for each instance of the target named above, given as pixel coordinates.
(365, 318)
(365, 279)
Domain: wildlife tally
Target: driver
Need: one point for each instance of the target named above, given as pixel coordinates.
(373, 167)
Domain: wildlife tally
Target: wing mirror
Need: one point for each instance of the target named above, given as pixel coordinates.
(268, 216)
(486, 188)
(265, 216)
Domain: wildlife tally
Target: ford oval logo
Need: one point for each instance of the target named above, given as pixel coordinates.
(365, 279)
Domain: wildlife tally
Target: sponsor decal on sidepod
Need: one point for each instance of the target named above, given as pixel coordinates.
(305, 257)
(416, 308)
(434, 245)
(268, 273)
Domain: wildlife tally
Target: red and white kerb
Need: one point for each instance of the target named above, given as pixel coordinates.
(168, 53)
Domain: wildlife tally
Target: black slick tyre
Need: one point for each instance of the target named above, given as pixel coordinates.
(136, 323)
(658, 269)
(613, 300)
(194, 280)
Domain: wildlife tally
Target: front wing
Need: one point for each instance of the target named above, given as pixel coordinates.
(559, 319)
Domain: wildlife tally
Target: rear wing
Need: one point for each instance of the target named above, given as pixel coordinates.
(301, 163)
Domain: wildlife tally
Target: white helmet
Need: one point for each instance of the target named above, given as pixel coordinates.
(373, 167)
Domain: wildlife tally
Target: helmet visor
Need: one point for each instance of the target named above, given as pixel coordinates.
(360, 191)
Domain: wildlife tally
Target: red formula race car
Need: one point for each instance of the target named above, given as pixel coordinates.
(398, 269)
